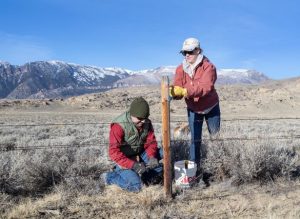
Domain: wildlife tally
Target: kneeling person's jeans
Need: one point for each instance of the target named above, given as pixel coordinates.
(129, 180)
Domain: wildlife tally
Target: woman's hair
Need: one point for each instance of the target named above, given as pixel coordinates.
(201, 50)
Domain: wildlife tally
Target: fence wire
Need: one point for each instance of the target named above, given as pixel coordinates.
(10, 147)
(153, 122)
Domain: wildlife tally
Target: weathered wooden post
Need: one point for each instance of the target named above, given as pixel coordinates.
(165, 108)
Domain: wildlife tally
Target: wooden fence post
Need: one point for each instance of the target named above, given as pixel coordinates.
(165, 108)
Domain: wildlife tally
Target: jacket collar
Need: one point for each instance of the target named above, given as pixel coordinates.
(189, 68)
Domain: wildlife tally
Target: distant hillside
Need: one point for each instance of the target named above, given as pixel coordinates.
(56, 79)
(240, 76)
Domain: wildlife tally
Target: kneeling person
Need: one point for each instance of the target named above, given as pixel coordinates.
(133, 147)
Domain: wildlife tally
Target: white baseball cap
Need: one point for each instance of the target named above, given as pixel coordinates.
(190, 44)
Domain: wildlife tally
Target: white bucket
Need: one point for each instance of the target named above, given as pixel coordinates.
(185, 173)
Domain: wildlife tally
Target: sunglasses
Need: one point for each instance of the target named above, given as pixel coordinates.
(184, 53)
(141, 119)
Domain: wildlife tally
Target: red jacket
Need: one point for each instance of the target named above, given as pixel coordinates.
(200, 87)
(116, 137)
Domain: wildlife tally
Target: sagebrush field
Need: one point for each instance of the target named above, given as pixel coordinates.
(53, 151)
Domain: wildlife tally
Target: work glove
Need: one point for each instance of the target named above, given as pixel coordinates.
(139, 168)
(177, 91)
(153, 163)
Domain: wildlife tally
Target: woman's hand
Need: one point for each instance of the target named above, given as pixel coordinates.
(177, 92)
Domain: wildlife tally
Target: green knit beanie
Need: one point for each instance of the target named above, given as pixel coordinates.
(139, 108)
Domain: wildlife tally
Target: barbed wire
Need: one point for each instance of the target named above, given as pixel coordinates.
(153, 122)
(11, 147)
(53, 124)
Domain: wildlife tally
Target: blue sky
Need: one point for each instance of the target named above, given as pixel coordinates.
(134, 34)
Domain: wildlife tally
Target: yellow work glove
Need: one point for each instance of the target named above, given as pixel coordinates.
(176, 91)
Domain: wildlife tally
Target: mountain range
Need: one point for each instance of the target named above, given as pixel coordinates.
(57, 79)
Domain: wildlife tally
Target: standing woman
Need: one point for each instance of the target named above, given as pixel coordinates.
(194, 80)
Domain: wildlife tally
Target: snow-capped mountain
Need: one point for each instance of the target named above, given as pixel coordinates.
(55, 79)
(225, 76)
(240, 76)
(147, 77)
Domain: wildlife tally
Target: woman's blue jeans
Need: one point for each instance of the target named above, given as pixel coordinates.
(212, 119)
(129, 180)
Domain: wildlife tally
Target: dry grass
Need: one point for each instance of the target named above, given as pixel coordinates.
(257, 178)
(48, 182)
(216, 201)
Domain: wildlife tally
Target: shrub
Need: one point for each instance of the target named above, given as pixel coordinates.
(258, 160)
(35, 172)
